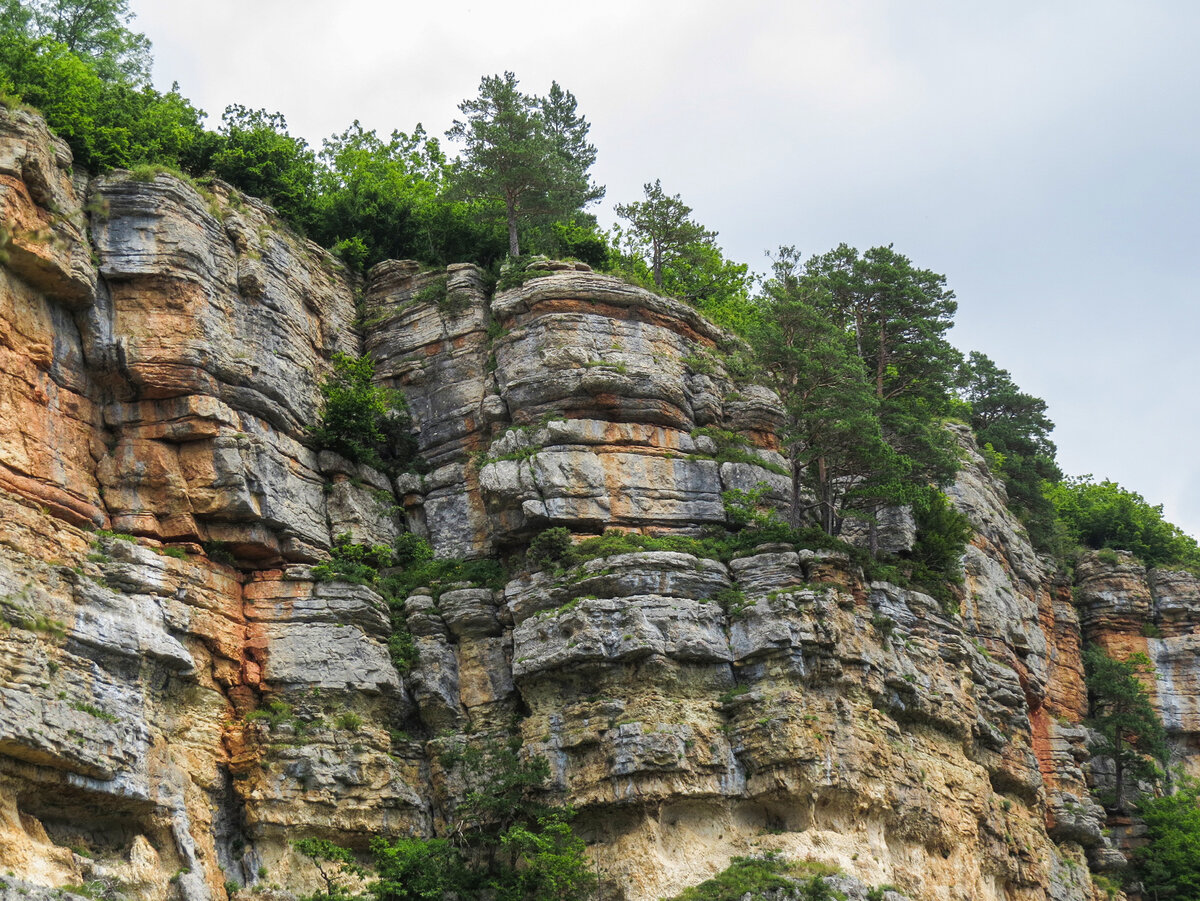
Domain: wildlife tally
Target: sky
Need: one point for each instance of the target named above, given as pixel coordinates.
(1043, 156)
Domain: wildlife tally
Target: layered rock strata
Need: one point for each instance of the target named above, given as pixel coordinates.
(181, 696)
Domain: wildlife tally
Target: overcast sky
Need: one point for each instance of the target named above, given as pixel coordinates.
(1042, 155)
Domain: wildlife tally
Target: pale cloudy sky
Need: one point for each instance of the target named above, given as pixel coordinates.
(1042, 155)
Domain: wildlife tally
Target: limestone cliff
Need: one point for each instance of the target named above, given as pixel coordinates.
(161, 349)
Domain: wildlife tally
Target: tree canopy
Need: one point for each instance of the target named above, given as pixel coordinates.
(660, 231)
(529, 154)
(96, 30)
(833, 435)
(1168, 864)
(1123, 715)
(1014, 431)
(1105, 515)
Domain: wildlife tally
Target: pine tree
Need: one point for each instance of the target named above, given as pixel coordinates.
(659, 229)
(1123, 715)
(528, 153)
(837, 453)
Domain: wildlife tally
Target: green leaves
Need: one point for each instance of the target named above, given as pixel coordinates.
(362, 421)
(1123, 715)
(1168, 865)
(260, 157)
(1105, 515)
(527, 154)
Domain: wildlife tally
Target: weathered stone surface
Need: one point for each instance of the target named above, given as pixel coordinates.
(435, 349)
(49, 417)
(44, 242)
(234, 373)
(199, 717)
(325, 635)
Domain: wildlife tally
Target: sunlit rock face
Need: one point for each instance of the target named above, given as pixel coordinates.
(180, 702)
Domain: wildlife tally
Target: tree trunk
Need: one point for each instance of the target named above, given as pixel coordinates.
(794, 509)
(826, 495)
(881, 365)
(1118, 769)
(514, 248)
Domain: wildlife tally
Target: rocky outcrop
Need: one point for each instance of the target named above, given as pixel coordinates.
(1129, 609)
(182, 695)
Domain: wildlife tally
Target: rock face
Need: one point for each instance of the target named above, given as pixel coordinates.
(181, 696)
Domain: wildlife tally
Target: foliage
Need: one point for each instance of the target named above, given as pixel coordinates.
(551, 863)
(549, 546)
(502, 844)
(410, 549)
(361, 564)
(833, 434)
(667, 251)
(362, 421)
(418, 869)
(1014, 432)
(262, 159)
(356, 563)
(107, 122)
(1105, 515)
(94, 29)
(440, 574)
(744, 875)
(573, 236)
(1123, 716)
(389, 200)
(527, 154)
(331, 861)
(660, 232)
(897, 315)
(274, 713)
(942, 535)
(1168, 865)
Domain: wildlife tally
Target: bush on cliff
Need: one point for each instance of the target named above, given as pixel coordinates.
(504, 843)
(363, 421)
(1168, 865)
(1105, 515)
(758, 876)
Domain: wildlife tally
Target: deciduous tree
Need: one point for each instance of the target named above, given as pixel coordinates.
(1168, 864)
(95, 29)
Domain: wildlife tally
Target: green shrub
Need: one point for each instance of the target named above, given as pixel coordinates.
(550, 547)
(218, 552)
(402, 647)
(362, 421)
(348, 720)
(119, 536)
(411, 549)
(884, 625)
(434, 291)
(513, 273)
(733, 601)
(92, 710)
(356, 563)
(506, 843)
(1168, 865)
(744, 875)
(1104, 515)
